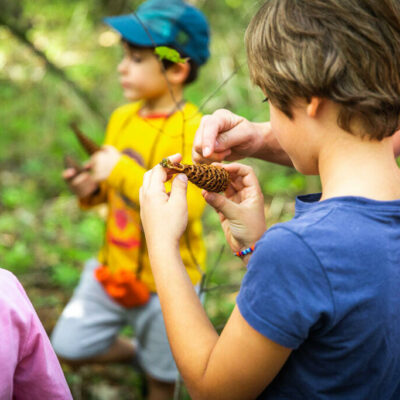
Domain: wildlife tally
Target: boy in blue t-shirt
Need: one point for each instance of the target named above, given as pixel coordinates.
(318, 313)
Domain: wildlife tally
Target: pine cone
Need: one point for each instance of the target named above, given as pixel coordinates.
(88, 144)
(69, 162)
(208, 177)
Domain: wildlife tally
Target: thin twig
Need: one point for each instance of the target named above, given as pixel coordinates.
(219, 87)
(216, 263)
(231, 288)
(21, 35)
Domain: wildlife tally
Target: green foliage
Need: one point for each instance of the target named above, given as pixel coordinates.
(18, 258)
(65, 275)
(166, 53)
(44, 237)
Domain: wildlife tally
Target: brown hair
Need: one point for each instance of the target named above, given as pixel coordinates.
(194, 68)
(347, 51)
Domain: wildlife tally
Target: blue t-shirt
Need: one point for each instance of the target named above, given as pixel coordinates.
(327, 285)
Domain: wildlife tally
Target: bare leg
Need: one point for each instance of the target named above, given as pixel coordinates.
(122, 350)
(159, 390)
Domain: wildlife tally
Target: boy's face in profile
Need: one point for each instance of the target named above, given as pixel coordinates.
(141, 74)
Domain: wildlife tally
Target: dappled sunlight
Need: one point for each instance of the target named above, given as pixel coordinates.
(63, 70)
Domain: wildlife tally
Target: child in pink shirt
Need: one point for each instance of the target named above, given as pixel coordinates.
(29, 366)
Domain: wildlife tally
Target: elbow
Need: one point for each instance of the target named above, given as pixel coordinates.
(197, 393)
(200, 391)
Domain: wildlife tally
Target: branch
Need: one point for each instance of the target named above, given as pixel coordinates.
(22, 36)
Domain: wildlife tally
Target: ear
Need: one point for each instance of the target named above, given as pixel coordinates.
(178, 73)
(314, 106)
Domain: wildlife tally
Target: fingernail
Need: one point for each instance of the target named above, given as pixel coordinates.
(182, 177)
(206, 151)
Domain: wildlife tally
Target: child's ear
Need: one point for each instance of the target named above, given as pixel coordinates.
(178, 73)
(313, 106)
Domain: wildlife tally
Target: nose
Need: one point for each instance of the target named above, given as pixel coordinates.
(122, 66)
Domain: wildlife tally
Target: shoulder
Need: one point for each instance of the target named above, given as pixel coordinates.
(9, 284)
(285, 245)
(192, 115)
(16, 308)
(7, 276)
(293, 248)
(191, 110)
(285, 291)
(13, 298)
(125, 110)
(118, 118)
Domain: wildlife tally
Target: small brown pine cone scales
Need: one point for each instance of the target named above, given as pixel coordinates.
(88, 144)
(208, 177)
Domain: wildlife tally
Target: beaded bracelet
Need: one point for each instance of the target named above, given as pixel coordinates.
(245, 251)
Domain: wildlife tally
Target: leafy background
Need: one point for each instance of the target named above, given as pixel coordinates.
(58, 63)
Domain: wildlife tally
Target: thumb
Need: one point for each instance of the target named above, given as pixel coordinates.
(178, 190)
(221, 204)
(68, 173)
(88, 165)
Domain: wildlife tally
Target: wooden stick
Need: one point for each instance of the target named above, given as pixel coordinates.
(88, 144)
(69, 162)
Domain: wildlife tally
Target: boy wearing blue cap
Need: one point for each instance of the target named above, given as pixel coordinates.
(118, 287)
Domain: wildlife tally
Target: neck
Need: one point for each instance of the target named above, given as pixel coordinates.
(165, 104)
(351, 166)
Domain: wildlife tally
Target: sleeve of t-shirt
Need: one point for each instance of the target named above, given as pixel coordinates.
(38, 374)
(100, 196)
(285, 294)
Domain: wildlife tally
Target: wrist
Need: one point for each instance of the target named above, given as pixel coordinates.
(161, 242)
(161, 250)
(111, 166)
(245, 251)
(95, 191)
(251, 240)
(261, 138)
(245, 254)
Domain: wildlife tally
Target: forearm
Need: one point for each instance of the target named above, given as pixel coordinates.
(270, 149)
(190, 332)
(210, 371)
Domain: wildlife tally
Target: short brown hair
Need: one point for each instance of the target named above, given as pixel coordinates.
(347, 51)
(194, 68)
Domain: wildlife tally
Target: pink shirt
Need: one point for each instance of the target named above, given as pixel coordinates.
(29, 368)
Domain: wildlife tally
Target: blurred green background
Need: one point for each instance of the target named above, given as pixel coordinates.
(58, 63)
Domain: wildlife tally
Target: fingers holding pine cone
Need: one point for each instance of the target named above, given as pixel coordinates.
(208, 177)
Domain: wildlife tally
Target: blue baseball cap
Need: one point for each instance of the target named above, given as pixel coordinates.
(166, 23)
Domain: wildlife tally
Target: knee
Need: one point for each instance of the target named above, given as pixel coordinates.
(67, 345)
(65, 348)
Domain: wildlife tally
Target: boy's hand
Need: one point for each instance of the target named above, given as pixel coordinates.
(164, 215)
(103, 162)
(225, 136)
(241, 210)
(82, 184)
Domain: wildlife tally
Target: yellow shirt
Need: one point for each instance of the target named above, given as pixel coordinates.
(144, 142)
